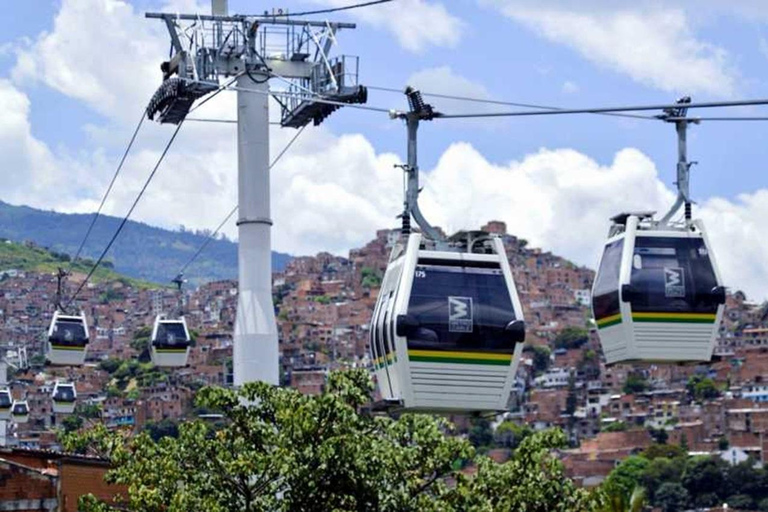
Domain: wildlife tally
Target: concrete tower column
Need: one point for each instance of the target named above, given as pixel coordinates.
(255, 355)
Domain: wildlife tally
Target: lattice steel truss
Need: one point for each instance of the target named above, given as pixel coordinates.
(205, 49)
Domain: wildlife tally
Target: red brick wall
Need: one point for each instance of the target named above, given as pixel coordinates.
(18, 484)
(78, 479)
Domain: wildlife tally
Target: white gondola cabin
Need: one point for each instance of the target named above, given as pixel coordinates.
(447, 331)
(64, 398)
(657, 295)
(20, 411)
(67, 339)
(6, 402)
(170, 342)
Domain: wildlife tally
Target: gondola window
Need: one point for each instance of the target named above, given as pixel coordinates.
(461, 308)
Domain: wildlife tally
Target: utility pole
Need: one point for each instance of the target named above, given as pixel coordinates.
(252, 50)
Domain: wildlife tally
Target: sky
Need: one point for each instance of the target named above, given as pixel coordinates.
(76, 74)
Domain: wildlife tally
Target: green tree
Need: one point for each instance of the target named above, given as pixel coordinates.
(164, 428)
(704, 479)
(745, 478)
(635, 384)
(702, 388)
(669, 451)
(541, 358)
(571, 401)
(618, 503)
(72, 423)
(723, 444)
(370, 278)
(671, 497)
(288, 451)
(626, 477)
(110, 365)
(659, 435)
(616, 426)
(481, 433)
(659, 471)
(571, 337)
(140, 342)
(533, 481)
(509, 434)
(741, 502)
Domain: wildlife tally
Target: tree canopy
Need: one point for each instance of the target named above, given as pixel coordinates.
(279, 450)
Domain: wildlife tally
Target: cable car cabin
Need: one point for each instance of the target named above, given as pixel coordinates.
(447, 331)
(6, 401)
(64, 398)
(170, 342)
(657, 295)
(20, 411)
(67, 339)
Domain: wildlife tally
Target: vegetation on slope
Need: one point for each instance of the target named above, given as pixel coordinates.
(142, 251)
(31, 258)
(289, 451)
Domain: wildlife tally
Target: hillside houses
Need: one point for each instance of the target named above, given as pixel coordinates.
(323, 305)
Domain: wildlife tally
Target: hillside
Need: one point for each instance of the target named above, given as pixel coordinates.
(142, 251)
(31, 258)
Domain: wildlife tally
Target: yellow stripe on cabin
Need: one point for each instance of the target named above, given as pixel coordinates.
(461, 355)
(673, 316)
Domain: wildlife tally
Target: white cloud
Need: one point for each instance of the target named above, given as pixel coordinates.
(652, 43)
(561, 200)
(332, 192)
(557, 199)
(31, 172)
(443, 80)
(417, 24)
(570, 87)
(102, 52)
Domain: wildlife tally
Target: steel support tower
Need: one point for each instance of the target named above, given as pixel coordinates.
(209, 52)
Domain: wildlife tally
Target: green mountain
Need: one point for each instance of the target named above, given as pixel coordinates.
(142, 251)
(26, 256)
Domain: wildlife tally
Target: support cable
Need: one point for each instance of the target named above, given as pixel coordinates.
(696, 119)
(127, 216)
(222, 87)
(212, 236)
(601, 110)
(109, 188)
(332, 9)
(499, 102)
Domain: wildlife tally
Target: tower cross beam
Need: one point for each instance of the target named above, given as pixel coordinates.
(240, 18)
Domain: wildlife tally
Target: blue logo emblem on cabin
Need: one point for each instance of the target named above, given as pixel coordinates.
(460, 314)
(674, 285)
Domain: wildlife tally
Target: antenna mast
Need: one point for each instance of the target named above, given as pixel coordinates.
(252, 49)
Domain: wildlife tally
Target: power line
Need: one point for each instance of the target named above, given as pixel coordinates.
(221, 87)
(212, 236)
(127, 216)
(600, 110)
(333, 9)
(208, 240)
(696, 119)
(109, 188)
(499, 102)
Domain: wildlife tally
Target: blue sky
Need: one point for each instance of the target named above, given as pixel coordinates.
(78, 73)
